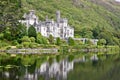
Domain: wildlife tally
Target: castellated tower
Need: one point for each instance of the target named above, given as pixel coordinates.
(58, 16)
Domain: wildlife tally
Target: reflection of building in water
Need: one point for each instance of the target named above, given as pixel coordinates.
(57, 70)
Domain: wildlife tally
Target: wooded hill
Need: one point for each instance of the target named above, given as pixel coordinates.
(90, 18)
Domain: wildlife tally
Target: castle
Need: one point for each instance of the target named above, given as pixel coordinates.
(59, 28)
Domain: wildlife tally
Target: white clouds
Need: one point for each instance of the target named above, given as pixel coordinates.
(117, 0)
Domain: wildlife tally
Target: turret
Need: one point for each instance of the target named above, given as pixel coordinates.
(58, 16)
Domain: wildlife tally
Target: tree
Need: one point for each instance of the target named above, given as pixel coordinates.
(107, 36)
(51, 39)
(88, 42)
(71, 41)
(44, 40)
(40, 39)
(32, 32)
(10, 14)
(7, 35)
(58, 41)
(22, 31)
(101, 42)
(86, 33)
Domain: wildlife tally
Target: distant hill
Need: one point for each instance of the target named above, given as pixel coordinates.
(90, 18)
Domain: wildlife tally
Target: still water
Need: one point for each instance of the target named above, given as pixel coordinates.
(94, 67)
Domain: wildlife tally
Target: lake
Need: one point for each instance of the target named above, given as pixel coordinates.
(60, 67)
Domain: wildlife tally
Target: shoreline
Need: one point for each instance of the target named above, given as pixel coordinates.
(56, 50)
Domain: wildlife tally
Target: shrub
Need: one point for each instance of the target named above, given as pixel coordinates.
(71, 41)
(8, 48)
(51, 39)
(25, 39)
(58, 41)
(32, 39)
(26, 44)
(33, 45)
(1, 36)
(19, 46)
(101, 42)
(14, 42)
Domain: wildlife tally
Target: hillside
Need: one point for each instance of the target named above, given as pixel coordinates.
(90, 18)
(86, 16)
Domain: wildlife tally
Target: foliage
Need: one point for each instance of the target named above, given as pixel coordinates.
(70, 57)
(32, 39)
(86, 33)
(14, 43)
(88, 42)
(41, 40)
(20, 46)
(51, 39)
(33, 45)
(10, 13)
(7, 35)
(87, 17)
(25, 39)
(58, 41)
(32, 32)
(101, 42)
(90, 19)
(23, 31)
(26, 44)
(3, 44)
(1, 36)
(71, 41)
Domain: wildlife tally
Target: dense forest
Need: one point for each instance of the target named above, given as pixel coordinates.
(98, 19)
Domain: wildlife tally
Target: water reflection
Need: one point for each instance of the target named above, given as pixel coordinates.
(57, 70)
(83, 67)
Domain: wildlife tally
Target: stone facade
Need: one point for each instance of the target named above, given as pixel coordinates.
(59, 28)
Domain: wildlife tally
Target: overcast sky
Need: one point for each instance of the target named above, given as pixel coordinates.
(117, 0)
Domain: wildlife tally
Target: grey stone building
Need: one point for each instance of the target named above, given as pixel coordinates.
(59, 28)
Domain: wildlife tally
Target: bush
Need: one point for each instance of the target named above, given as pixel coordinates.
(25, 44)
(33, 45)
(1, 36)
(8, 48)
(25, 39)
(14, 43)
(3, 44)
(58, 41)
(101, 42)
(51, 39)
(71, 41)
(32, 39)
(20, 46)
(41, 39)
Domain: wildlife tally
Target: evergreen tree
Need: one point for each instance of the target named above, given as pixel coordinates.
(32, 32)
